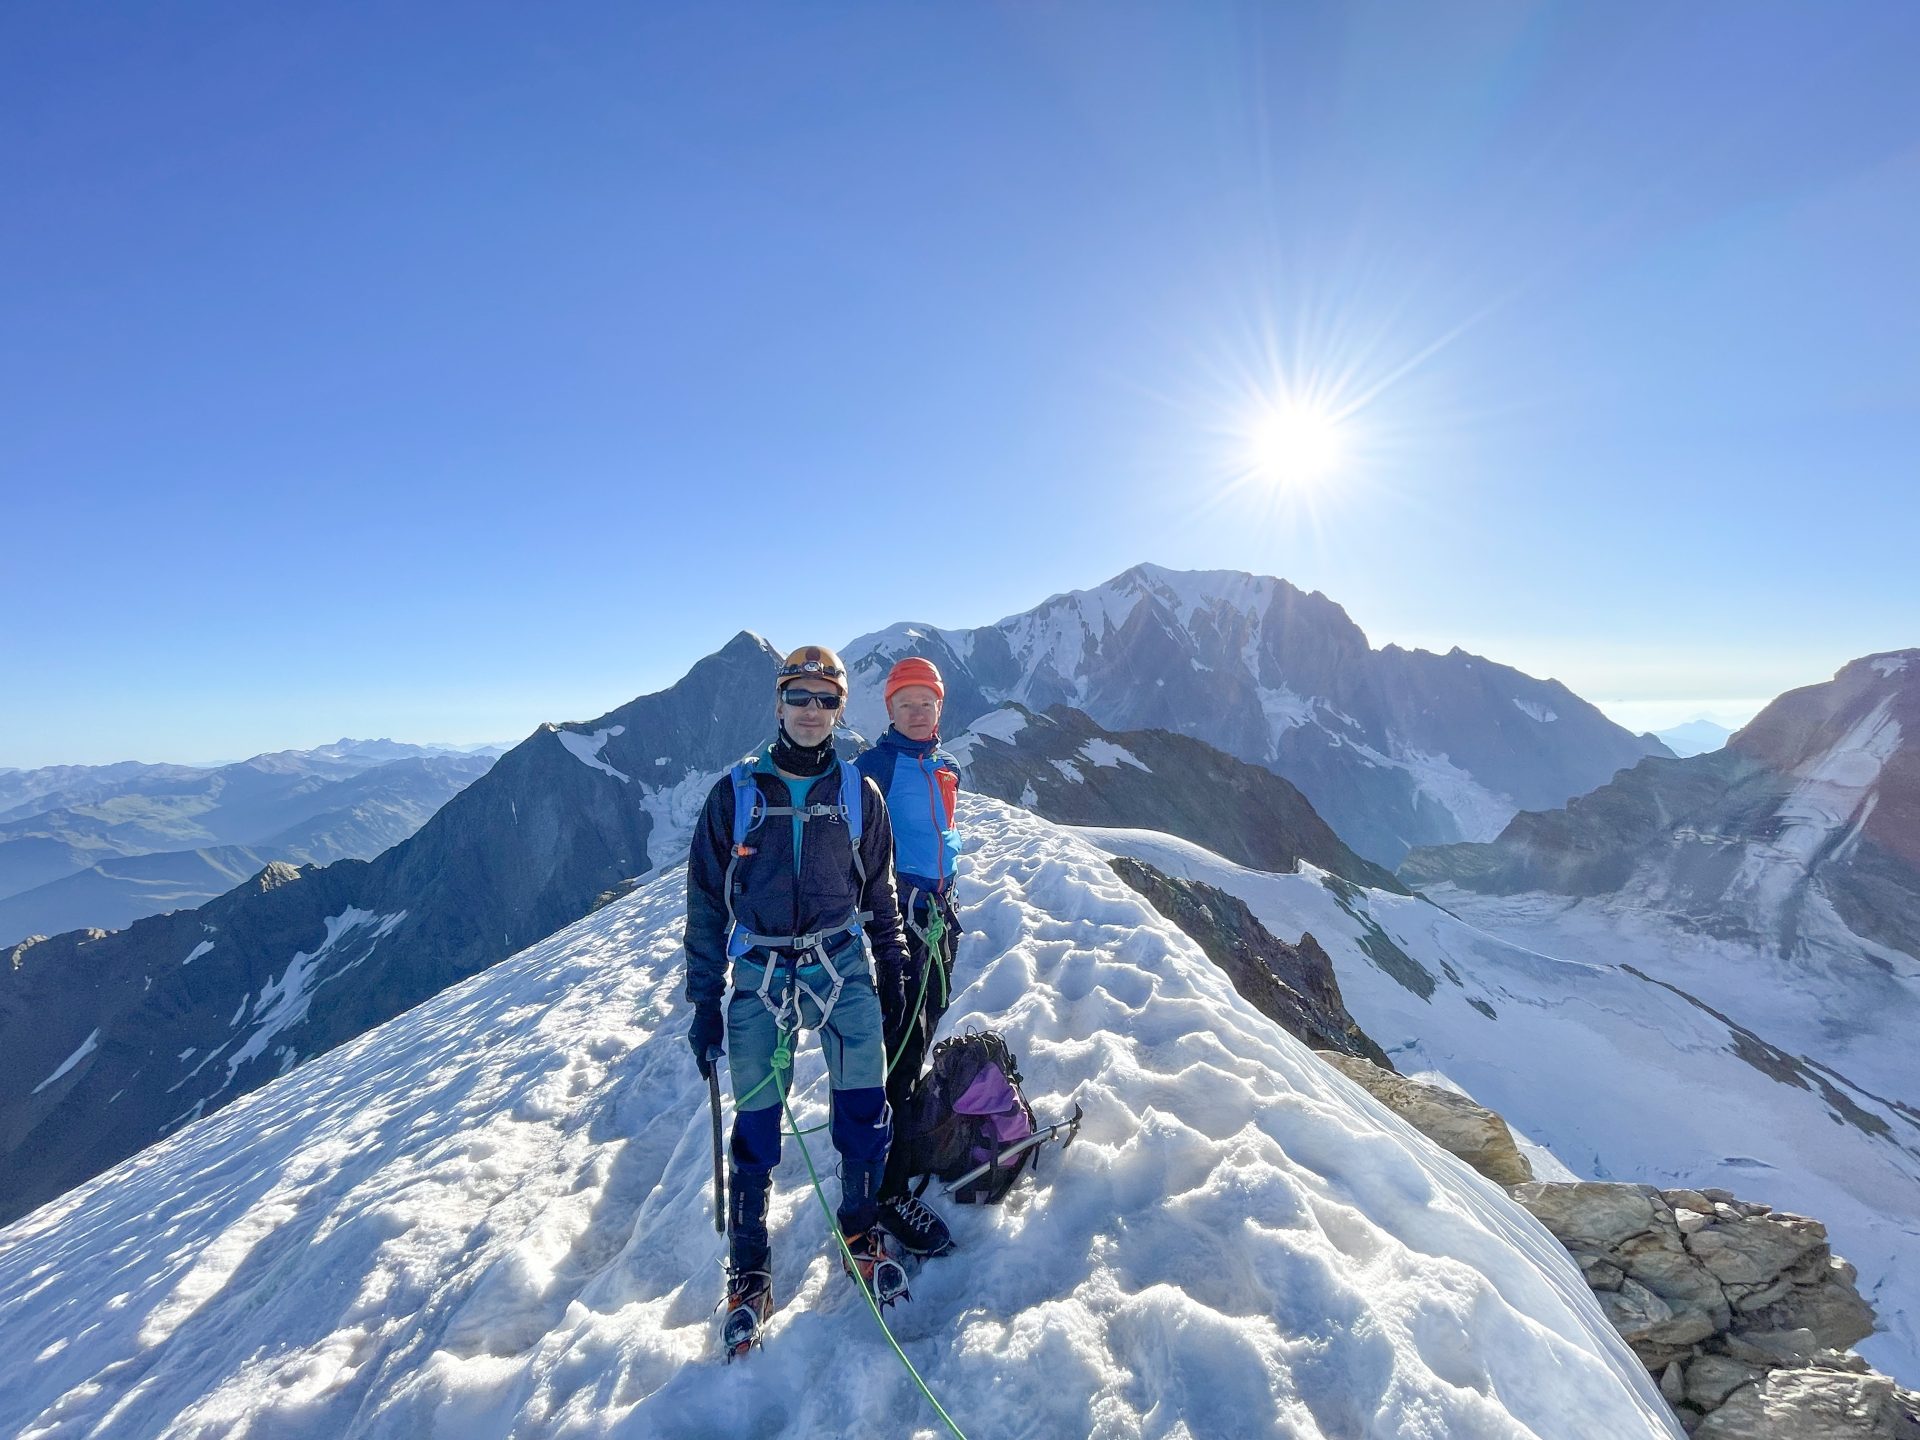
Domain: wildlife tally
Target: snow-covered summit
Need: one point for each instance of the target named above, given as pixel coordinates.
(491, 1217)
(1393, 747)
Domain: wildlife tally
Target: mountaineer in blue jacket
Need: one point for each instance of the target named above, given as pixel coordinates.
(921, 783)
(790, 866)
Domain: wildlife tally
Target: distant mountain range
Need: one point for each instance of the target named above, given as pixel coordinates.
(102, 846)
(1777, 879)
(109, 1041)
(1395, 748)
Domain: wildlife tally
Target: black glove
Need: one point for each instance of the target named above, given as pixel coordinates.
(709, 1029)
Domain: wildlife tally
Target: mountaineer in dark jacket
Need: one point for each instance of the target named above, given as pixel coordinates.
(786, 909)
(921, 783)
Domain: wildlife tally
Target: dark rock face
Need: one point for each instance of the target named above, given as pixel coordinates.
(1292, 985)
(1064, 767)
(1818, 798)
(1395, 748)
(110, 1041)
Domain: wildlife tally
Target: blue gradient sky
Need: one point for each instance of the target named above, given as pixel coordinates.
(434, 372)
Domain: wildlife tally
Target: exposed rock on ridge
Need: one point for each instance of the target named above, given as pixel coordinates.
(1743, 1313)
(1453, 1122)
(1292, 985)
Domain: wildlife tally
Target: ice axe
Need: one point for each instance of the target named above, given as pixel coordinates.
(719, 1165)
(1071, 1125)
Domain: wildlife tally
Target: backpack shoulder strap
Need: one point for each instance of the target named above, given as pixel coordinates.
(853, 803)
(852, 796)
(749, 805)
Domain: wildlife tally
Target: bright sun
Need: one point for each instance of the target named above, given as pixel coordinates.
(1295, 444)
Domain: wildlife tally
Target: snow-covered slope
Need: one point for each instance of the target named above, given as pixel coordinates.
(1621, 1072)
(491, 1217)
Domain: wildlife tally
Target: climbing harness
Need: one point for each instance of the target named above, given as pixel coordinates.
(750, 810)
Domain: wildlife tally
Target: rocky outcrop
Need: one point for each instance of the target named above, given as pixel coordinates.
(1452, 1121)
(1742, 1311)
(1292, 985)
(1822, 1404)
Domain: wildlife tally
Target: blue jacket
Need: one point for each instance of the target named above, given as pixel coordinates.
(777, 891)
(921, 783)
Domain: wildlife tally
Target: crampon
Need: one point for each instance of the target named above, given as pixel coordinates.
(749, 1305)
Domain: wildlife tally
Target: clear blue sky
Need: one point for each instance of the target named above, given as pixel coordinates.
(434, 371)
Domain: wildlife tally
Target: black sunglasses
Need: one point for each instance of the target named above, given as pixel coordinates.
(801, 699)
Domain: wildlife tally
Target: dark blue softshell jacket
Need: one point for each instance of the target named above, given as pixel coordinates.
(770, 899)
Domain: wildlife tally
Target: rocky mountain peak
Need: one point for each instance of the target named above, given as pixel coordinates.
(276, 874)
(1393, 747)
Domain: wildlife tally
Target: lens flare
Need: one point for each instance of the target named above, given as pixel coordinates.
(1295, 444)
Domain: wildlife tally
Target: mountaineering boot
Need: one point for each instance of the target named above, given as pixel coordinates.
(919, 1231)
(747, 1245)
(882, 1275)
(749, 1305)
(749, 1299)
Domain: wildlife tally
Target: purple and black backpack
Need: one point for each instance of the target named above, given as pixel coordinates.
(966, 1112)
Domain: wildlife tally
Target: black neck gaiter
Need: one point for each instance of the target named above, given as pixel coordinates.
(797, 759)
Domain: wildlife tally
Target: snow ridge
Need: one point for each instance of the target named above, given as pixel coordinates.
(491, 1217)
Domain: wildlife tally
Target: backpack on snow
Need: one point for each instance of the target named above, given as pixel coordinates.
(966, 1111)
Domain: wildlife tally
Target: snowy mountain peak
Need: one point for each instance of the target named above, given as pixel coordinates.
(1393, 747)
(1803, 828)
(1695, 737)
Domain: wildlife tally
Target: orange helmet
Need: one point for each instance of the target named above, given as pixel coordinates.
(812, 662)
(914, 671)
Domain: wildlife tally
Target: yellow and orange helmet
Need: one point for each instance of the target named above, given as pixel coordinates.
(812, 662)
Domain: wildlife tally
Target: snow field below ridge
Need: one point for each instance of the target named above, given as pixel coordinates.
(492, 1217)
(1619, 1077)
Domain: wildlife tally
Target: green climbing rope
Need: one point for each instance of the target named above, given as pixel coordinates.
(783, 1048)
(833, 1224)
